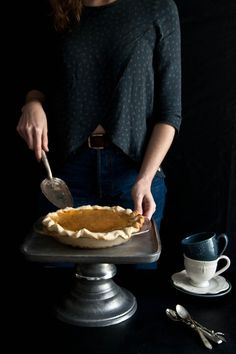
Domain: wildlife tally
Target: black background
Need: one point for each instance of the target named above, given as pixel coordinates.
(201, 165)
(200, 173)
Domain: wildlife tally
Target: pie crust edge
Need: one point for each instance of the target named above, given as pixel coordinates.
(86, 239)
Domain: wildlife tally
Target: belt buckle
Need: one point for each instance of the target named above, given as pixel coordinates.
(94, 147)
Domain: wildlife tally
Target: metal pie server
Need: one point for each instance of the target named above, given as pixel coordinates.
(55, 189)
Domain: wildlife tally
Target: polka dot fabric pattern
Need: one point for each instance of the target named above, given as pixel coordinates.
(118, 67)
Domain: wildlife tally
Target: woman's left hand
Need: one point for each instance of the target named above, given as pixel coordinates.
(143, 200)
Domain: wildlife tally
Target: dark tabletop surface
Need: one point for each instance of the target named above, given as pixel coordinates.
(37, 289)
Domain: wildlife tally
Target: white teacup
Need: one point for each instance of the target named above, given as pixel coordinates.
(201, 272)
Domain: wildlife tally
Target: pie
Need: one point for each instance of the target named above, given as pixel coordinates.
(93, 226)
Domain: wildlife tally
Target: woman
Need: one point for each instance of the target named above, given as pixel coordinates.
(108, 100)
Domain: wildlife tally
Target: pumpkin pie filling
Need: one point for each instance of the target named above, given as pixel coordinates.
(95, 220)
(102, 226)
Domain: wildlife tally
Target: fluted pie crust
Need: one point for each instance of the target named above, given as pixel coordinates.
(93, 226)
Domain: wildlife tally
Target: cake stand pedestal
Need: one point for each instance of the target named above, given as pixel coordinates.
(95, 300)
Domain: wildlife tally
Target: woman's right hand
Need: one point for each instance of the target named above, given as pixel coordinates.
(33, 127)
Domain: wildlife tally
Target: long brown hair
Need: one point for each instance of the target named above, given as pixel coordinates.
(64, 11)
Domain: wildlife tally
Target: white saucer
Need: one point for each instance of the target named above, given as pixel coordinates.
(217, 286)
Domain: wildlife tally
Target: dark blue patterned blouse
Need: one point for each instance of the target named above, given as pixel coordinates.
(119, 67)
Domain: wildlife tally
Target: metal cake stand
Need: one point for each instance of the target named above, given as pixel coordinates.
(95, 300)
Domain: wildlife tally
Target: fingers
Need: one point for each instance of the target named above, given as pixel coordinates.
(144, 202)
(33, 137)
(45, 139)
(149, 207)
(32, 127)
(138, 199)
(25, 132)
(20, 130)
(40, 142)
(146, 207)
(29, 137)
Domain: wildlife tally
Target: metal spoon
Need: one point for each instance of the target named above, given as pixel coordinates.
(173, 315)
(55, 189)
(220, 336)
(184, 314)
(207, 332)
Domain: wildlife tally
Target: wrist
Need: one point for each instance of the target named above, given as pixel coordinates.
(32, 104)
(144, 179)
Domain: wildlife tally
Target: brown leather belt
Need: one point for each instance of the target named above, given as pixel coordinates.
(97, 141)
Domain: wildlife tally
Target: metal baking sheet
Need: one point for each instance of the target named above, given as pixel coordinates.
(142, 248)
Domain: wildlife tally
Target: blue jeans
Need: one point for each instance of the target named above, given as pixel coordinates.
(105, 177)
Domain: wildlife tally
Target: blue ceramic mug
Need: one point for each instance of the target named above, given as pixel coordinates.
(204, 246)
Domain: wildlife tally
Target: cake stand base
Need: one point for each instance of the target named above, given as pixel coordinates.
(96, 300)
